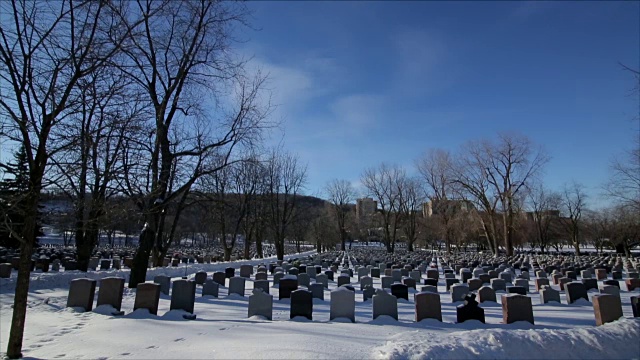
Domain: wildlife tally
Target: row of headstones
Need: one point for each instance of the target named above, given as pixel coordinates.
(515, 307)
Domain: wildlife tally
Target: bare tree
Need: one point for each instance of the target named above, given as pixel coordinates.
(545, 206)
(181, 57)
(436, 168)
(285, 179)
(573, 204)
(382, 184)
(501, 170)
(340, 195)
(411, 200)
(46, 49)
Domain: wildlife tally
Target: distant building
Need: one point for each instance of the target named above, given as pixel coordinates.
(438, 206)
(365, 208)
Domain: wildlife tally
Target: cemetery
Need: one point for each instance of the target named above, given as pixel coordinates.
(337, 305)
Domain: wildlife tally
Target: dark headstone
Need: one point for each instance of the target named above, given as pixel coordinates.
(469, 310)
(219, 277)
(575, 290)
(288, 284)
(229, 272)
(301, 304)
(516, 290)
(400, 291)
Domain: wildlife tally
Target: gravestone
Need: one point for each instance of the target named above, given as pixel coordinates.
(575, 290)
(105, 264)
(498, 285)
(400, 291)
(411, 283)
(396, 274)
(385, 304)
(547, 293)
(365, 281)
(386, 281)
(632, 284)
(261, 276)
(147, 297)
(343, 279)
(506, 276)
(635, 305)
(516, 290)
(311, 272)
(368, 293)
(229, 272)
(516, 307)
(304, 280)
(183, 295)
(164, 282)
(486, 293)
(219, 277)
(55, 265)
(317, 290)
(200, 277)
(375, 272)
(110, 292)
(416, 275)
(429, 288)
(260, 303)
(322, 279)
(81, 293)
(363, 272)
(601, 274)
(293, 271)
(469, 310)
(246, 271)
(236, 285)
(485, 278)
(210, 287)
(590, 283)
(522, 283)
(301, 304)
(93, 263)
(610, 289)
(474, 284)
(262, 285)
(5, 270)
(432, 274)
(541, 281)
(279, 275)
(329, 274)
(451, 282)
(427, 306)
(612, 282)
(458, 292)
(288, 284)
(432, 282)
(585, 274)
(607, 308)
(343, 304)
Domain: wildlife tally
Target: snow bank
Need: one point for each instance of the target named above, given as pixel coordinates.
(619, 340)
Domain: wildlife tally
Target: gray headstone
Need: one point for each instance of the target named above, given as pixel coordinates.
(386, 281)
(396, 274)
(523, 283)
(183, 295)
(147, 297)
(549, 294)
(322, 279)
(261, 303)
(236, 285)
(278, 276)
(368, 293)
(317, 290)
(246, 271)
(262, 285)
(458, 292)
(365, 281)
(210, 287)
(427, 306)
(343, 304)
(486, 293)
(610, 289)
(498, 285)
(81, 293)
(429, 288)
(164, 282)
(385, 304)
(304, 280)
(110, 292)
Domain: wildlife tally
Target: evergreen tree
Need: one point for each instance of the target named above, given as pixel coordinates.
(13, 186)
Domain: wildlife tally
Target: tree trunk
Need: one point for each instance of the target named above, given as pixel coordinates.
(279, 244)
(247, 247)
(227, 252)
(141, 259)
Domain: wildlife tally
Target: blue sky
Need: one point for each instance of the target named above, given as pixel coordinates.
(359, 83)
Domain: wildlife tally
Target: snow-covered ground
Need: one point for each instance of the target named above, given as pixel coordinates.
(223, 330)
